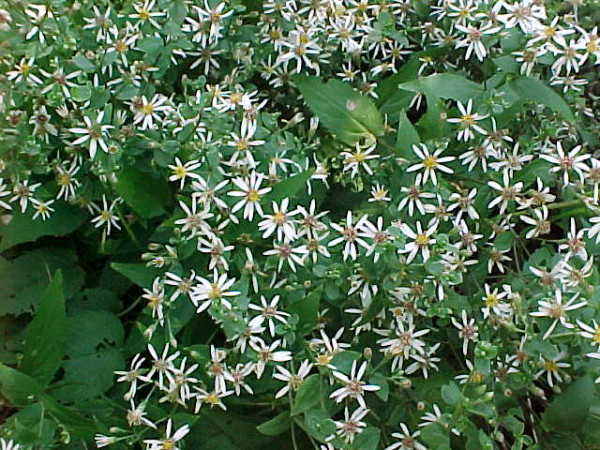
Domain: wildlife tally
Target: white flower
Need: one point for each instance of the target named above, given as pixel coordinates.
(575, 245)
(430, 162)
(354, 387)
(349, 235)
(506, 193)
(208, 292)
(467, 330)
(266, 353)
(182, 171)
(279, 221)
(94, 133)
(106, 216)
(472, 40)
(554, 309)
(552, 368)
(568, 161)
(353, 161)
(286, 253)
(421, 241)
(352, 424)
(195, 221)
(406, 440)
(251, 193)
(147, 112)
(468, 121)
(268, 311)
(293, 380)
(170, 440)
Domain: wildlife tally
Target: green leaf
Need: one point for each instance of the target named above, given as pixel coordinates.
(276, 425)
(22, 227)
(407, 135)
(89, 329)
(145, 192)
(140, 274)
(570, 409)
(289, 187)
(435, 436)
(19, 389)
(307, 395)
(88, 376)
(45, 337)
(367, 440)
(345, 112)
(25, 278)
(83, 63)
(307, 309)
(446, 86)
(343, 360)
(318, 424)
(536, 91)
(451, 393)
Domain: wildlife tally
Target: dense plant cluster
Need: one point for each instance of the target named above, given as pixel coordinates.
(331, 224)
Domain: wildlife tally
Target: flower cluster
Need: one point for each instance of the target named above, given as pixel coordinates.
(400, 258)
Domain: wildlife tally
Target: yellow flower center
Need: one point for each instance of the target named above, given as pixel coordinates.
(422, 240)
(491, 300)
(550, 366)
(430, 162)
(147, 109)
(180, 172)
(252, 195)
(279, 218)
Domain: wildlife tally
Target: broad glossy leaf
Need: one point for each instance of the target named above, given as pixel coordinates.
(20, 389)
(445, 85)
(145, 192)
(536, 91)
(349, 115)
(307, 395)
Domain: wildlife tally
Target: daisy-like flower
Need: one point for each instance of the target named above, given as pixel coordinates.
(65, 178)
(424, 362)
(593, 231)
(286, 253)
(251, 193)
(147, 112)
(23, 194)
(354, 387)
(557, 311)
(169, 442)
(464, 203)
(351, 426)
(406, 440)
(467, 330)
(468, 121)
(493, 302)
(207, 292)
(194, 221)
(540, 222)
(143, 13)
(106, 215)
(268, 312)
(353, 161)
(136, 416)
(590, 332)
(566, 162)
(42, 209)
(310, 224)
(414, 194)
(212, 398)
(156, 298)
(379, 194)
(421, 241)
(292, 380)
(22, 72)
(552, 368)
(183, 171)
(280, 221)
(161, 365)
(349, 234)
(405, 343)
(506, 193)
(377, 234)
(575, 245)
(4, 192)
(237, 376)
(472, 39)
(214, 17)
(9, 445)
(94, 134)
(131, 376)
(266, 353)
(430, 163)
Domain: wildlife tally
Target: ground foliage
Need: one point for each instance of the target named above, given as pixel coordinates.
(304, 224)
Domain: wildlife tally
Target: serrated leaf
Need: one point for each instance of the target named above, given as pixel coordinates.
(45, 336)
(536, 91)
(346, 113)
(23, 228)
